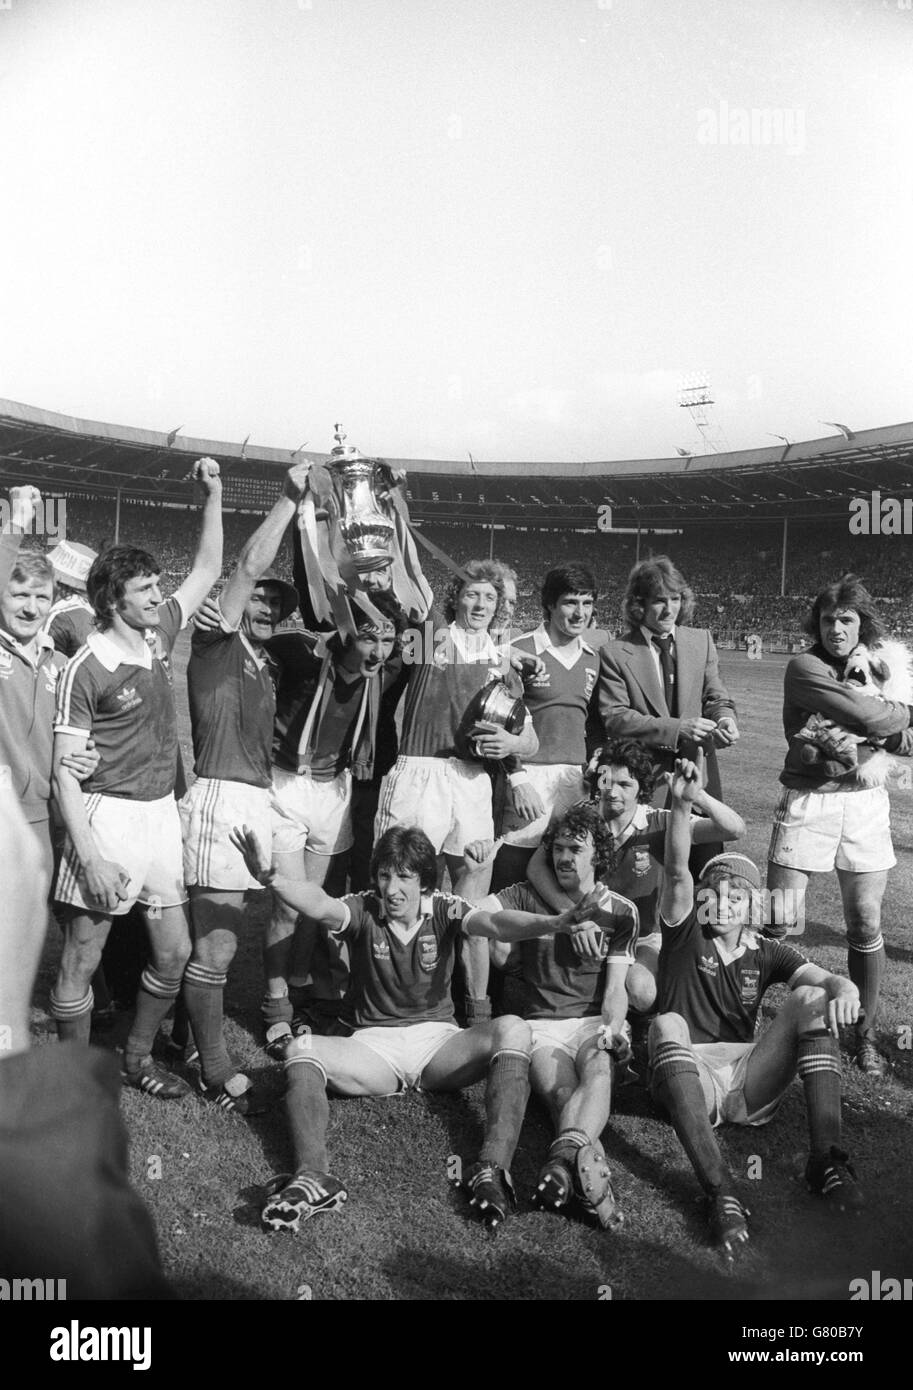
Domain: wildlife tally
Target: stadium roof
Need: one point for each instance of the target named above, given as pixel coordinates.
(813, 478)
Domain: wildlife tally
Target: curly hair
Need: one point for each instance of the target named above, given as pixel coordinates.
(111, 571)
(627, 753)
(847, 592)
(578, 822)
(486, 571)
(650, 580)
(406, 850)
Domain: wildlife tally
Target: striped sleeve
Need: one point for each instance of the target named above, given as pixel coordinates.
(76, 696)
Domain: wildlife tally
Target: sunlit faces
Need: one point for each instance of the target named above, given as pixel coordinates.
(572, 860)
(371, 648)
(839, 630)
(726, 906)
(24, 605)
(619, 793)
(262, 612)
(138, 606)
(570, 616)
(400, 893)
(661, 613)
(476, 605)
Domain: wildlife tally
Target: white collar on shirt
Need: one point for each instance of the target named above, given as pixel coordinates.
(405, 934)
(568, 655)
(35, 655)
(474, 646)
(111, 655)
(648, 636)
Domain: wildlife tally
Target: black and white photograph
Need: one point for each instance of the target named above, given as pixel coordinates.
(456, 665)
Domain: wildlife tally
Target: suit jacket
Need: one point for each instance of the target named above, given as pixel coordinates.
(632, 703)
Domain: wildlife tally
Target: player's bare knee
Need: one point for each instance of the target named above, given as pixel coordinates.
(808, 1004)
(641, 989)
(510, 1033)
(668, 1028)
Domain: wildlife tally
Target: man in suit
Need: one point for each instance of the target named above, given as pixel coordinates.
(660, 682)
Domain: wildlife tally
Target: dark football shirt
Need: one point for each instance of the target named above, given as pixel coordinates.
(394, 984)
(718, 999)
(232, 707)
(561, 985)
(128, 708)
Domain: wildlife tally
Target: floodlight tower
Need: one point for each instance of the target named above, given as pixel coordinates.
(696, 397)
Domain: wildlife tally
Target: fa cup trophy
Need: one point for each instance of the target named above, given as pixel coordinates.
(367, 531)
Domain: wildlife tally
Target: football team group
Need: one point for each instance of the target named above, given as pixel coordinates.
(594, 933)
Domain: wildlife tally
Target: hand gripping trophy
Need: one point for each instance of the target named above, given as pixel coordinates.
(353, 525)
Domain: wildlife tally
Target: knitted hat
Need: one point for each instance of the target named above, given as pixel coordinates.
(737, 865)
(71, 563)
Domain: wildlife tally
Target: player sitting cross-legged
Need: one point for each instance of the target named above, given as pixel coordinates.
(577, 1012)
(708, 1067)
(401, 937)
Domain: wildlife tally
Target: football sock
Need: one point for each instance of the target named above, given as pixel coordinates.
(74, 1017)
(819, 1068)
(180, 1028)
(154, 998)
(202, 994)
(505, 1105)
(866, 961)
(276, 1009)
(677, 1087)
(308, 1111)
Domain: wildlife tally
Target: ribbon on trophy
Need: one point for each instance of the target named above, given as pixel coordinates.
(354, 539)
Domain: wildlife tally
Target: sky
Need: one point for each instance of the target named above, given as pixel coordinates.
(507, 228)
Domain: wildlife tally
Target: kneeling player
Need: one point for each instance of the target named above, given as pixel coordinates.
(401, 937)
(577, 1013)
(707, 1067)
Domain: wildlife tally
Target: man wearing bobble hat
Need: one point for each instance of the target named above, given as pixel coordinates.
(72, 617)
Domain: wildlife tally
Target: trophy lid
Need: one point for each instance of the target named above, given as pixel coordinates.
(345, 453)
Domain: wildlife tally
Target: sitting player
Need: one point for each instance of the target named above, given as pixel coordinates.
(621, 775)
(577, 1012)
(708, 1067)
(401, 936)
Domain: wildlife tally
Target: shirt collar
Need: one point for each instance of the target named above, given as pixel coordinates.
(110, 656)
(473, 646)
(43, 645)
(648, 637)
(543, 643)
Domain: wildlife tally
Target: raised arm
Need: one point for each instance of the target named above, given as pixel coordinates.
(678, 887)
(259, 551)
(207, 563)
(511, 924)
(717, 821)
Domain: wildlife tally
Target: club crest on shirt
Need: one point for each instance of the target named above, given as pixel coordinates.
(641, 862)
(6, 662)
(749, 984)
(590, 681)
(708, 965)
(428, 952)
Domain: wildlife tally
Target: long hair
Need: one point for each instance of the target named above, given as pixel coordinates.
(110, 573)
(627, 753)
(651, 579)
(488, 571)
(847, 592)
(406, 850)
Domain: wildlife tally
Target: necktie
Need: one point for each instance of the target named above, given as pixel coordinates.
(667, 664)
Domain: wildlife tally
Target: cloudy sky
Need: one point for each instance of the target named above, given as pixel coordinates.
(507, 227)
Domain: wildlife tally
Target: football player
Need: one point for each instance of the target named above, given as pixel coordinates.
(123, 831)
(401, 936)
(577, 1011)
(708, 1066)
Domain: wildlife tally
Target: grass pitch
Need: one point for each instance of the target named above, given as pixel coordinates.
(405, 1234)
